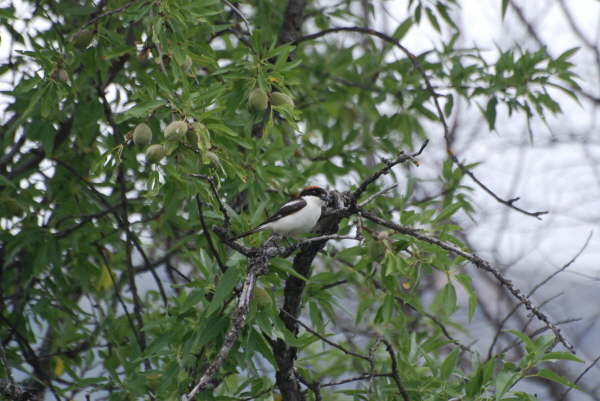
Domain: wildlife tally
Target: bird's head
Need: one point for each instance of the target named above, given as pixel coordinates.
(316, 191)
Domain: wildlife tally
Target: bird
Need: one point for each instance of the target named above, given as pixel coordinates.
(297, 216)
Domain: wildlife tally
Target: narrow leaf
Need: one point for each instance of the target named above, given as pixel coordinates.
(224, 289)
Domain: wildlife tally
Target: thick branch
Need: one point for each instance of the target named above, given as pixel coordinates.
(257, 265)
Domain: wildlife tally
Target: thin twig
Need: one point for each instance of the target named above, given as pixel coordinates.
(118, 296)
(4, 363)
(594, 362)
(137, 303)
(354, 379)
(211, 246)
(213, 188)
(240, 14)
(478, 262)
(395, 374)
(372, 350)
(224, 237)
(388, 166)
(534, 289)
(325, 339)
(106, 14)
(376, 195)
(328, 237)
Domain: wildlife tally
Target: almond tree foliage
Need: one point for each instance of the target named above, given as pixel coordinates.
(117, 278)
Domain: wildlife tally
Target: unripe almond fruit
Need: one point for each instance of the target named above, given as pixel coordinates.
(258, 99)
(63, 75)
(154, 153)
(213, 157)
(82, 39)
(176, 130)
(262, 297)
(187, 64)
(142, 135)
(279, 99)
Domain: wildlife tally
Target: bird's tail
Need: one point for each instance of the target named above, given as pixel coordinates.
(254, 230)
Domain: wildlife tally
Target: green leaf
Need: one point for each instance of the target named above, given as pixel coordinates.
(447, 212)
(222, 128)
(504, 7)
(504, 382)
(567, 54)
(529, 344)
(490, 112)
(475, 384)
(224, 289)
(140, 110)
(403, 29)
(550, 375)
(445, 300)
(449, 363)
(448, 106)
(211, 328)
(467, 283)
(567, 356)
(160, 343)
(432, 19)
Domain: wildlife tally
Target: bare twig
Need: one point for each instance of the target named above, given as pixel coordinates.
(478, 262)
(211, 246)
(239, 14)
(385, 170)
(224, 237)
(328, 237)
(395, 374)
(533, 290)
(592, 364)
(326, 340)
(86, 219)
(213, 188)
(376, 195)
(119, 298)
(355, 379)
(109, 12)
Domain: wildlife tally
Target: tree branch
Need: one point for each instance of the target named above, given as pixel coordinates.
(257, 265)
(328, 341)
(395, 374)
(478, 262)
(211, 246)
(389, 164)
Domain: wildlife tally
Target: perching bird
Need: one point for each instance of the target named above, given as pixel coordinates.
(299, 215)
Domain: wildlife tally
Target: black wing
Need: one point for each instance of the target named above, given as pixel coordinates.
(290, 207)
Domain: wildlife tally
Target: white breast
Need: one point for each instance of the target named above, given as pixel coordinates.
(300, 222)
